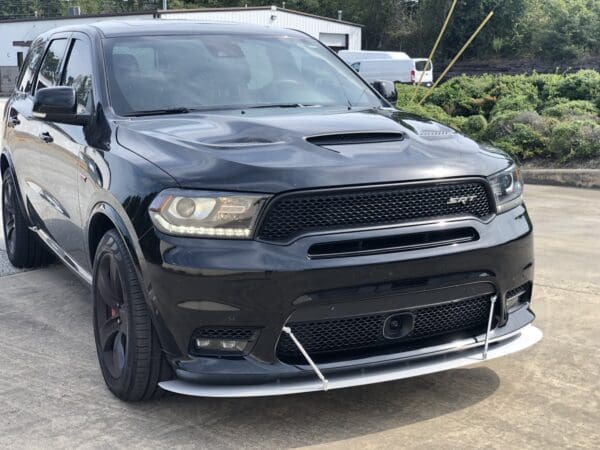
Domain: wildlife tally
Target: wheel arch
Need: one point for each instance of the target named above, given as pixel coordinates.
(103, 218)
(7, 165)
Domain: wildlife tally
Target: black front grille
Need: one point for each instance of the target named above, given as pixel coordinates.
(294, 214)
(366, 332)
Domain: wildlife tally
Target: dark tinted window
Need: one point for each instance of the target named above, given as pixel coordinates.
(78, 73)
(420, 65)
(48, 75)
(214, 71)
(36, 51)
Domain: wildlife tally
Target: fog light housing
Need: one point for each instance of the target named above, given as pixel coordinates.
(221, 345)
(517, 296)
(223, 341)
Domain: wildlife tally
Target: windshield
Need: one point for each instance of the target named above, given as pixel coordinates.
(189, 72)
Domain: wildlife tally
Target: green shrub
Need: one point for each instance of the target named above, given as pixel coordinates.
(474, 126)
(576, 139)
(583, 85)
(538, 115)
(567, 108)
(518, 102)
(433, 112)
(406, 94)
(459, 96)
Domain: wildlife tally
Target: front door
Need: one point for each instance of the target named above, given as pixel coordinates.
(57, 150)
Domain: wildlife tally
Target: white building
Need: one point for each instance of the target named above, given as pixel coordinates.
(337, 34)
(16, 35)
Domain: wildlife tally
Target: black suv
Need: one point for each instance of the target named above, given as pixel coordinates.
(253, 218)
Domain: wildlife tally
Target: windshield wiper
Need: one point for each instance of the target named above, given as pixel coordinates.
(158, 112)
(283, 105)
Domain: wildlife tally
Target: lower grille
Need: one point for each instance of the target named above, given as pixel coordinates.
(367, 332)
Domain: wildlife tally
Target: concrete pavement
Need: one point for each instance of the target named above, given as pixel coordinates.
(52, 394)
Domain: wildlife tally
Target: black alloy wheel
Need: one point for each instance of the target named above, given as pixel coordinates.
(23, 247)
(111, 315)
(129, 351)
(8, 216)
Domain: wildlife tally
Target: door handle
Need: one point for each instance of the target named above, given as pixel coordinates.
(13, 121)
(46, 137)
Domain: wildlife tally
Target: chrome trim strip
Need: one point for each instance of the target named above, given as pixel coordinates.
(524, 338)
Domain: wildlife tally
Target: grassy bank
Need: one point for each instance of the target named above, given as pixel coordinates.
(552, 118)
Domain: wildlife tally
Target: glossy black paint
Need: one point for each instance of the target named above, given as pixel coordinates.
(58, 104)
(106, 172)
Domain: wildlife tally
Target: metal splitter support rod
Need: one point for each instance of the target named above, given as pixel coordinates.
(489, 326)
(288, 330)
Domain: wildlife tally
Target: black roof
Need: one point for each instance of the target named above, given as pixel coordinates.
(117, 28)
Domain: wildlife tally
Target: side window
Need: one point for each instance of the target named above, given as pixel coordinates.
(36, 51)
(78, 74)
(48, 74)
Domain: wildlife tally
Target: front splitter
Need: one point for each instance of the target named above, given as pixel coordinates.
(524, 338)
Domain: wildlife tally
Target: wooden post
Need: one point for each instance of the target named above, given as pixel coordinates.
(435, 46)
(479, 28)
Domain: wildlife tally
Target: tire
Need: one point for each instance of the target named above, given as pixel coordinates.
(129, 352)
(23, 247)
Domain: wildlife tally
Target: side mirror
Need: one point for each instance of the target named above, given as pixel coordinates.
(58, 104)
(387, 90)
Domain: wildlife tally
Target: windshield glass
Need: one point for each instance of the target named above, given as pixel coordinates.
(228, 71)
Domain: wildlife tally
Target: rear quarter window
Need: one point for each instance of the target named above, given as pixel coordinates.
(34, 56)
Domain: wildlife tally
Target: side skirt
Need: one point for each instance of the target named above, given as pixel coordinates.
(83, 274)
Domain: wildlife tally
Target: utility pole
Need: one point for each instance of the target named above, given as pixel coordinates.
(165, 6)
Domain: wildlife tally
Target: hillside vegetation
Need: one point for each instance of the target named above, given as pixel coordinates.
(556, 31)
(553, 117)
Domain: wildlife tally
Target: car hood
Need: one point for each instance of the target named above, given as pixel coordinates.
(258, 151)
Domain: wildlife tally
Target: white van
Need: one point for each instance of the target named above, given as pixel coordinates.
(350, 57)
(394, 70)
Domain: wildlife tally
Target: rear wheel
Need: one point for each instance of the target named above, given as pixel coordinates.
(129, 351)
(23, 247)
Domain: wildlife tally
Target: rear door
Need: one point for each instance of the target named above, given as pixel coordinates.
(420, 64)
(23, 132)
(60, 150)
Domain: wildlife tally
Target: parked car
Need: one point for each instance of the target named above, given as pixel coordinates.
(350, 56)
(394, 70)
(253, 218)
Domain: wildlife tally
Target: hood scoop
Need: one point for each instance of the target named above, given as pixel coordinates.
(355, 138)
(243, 143)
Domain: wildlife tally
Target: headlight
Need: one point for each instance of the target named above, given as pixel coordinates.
(206, 214)
(508, 189)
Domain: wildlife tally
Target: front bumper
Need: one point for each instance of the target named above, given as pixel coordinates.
(431, 360)
(197, 283)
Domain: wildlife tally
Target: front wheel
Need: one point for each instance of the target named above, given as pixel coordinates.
(129, 351)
